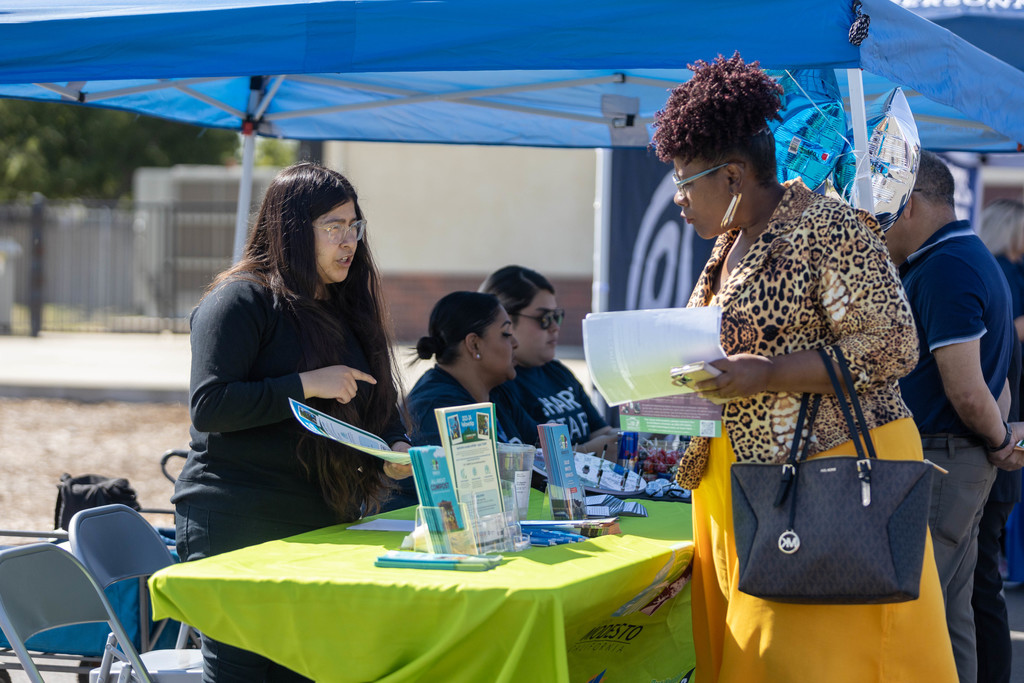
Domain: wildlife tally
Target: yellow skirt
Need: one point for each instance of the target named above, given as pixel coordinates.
(742, 638)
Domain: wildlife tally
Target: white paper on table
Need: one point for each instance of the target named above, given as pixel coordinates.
(630, 353)
(342, 432)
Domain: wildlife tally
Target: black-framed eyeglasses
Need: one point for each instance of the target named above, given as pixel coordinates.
(548, 317)
(681, 184)
(337, 233)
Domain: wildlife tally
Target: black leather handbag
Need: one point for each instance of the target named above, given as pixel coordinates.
(832, 530)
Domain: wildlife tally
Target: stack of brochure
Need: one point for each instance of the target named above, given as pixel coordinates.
(607, 506)
(439, 507)
(553, 531)
(403, 559)
(565, 492)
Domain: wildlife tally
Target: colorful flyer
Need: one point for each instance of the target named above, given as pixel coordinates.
(683, 414)
(342, 432)
(565, 490)
(436, 492)
(468, 435)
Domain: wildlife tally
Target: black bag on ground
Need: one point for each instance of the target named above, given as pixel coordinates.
(89, 491)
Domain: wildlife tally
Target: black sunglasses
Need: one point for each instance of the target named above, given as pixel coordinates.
(544, 320)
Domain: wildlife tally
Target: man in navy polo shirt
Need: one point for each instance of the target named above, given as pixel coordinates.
(958, 392)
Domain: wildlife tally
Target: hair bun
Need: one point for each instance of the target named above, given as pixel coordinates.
(428, 347)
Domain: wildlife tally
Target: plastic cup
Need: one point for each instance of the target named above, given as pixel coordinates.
(515, 466)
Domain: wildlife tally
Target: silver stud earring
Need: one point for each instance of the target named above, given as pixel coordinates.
(478, 356)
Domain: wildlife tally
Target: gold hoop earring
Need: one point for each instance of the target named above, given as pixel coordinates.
(730, 211)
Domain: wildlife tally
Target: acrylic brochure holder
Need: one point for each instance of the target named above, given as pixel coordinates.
(437, 532)
(515, 469)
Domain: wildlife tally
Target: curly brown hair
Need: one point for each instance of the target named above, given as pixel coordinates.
(723, 110)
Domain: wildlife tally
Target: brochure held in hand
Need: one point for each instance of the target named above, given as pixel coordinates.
(342, 432)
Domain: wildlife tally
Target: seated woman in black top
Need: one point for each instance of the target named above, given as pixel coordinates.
(546, 389)
(300, 316)
(471, 336)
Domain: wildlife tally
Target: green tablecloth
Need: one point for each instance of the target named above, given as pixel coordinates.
(316, 603)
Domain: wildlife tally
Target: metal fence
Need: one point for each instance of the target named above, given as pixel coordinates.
(108, 267)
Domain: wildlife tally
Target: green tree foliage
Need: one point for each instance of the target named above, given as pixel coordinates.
(66, 151)
(274, 152)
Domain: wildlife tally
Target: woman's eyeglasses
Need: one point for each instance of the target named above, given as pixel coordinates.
(681, 184)
(545, 319)
(336, 233)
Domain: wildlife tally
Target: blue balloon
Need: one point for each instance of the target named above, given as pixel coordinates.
(812, 134)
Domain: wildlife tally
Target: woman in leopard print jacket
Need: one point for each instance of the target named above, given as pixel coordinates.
(794, 272)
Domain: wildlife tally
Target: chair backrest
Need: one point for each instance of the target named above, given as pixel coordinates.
(116, 542)
(43, 586)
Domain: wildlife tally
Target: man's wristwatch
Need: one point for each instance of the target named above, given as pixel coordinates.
(1006, 441)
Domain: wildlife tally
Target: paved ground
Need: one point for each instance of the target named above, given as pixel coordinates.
(131, 367)
(155, 368)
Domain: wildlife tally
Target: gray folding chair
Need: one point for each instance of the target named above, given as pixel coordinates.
(43, 586)
(115, 543)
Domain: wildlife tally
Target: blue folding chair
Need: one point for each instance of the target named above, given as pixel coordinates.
(42, 586)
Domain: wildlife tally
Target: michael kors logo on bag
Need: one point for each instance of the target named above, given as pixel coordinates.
(789, 542)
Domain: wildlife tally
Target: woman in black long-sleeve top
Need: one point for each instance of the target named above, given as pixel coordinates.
(300, 316)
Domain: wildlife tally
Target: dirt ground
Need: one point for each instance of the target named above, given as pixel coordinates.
(41, 439)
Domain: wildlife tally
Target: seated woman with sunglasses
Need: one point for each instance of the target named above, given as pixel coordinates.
(470, 335)
(543, 386)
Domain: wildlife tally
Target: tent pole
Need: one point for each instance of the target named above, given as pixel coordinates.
(602, 229)
(864, 195)
(602, 257)
(244, 191)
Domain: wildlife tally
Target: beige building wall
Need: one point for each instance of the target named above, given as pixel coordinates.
(469, 209)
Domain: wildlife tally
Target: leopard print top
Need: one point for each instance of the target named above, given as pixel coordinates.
(819, 275)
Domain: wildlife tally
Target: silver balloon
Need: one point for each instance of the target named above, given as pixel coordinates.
(894, 151)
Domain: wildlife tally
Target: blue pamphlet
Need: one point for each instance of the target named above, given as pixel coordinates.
(436, 493)
(565, 491)
(413, 560)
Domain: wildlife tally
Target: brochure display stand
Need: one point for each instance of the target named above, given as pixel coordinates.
(436, 532)
(445, 529)
(464, 506)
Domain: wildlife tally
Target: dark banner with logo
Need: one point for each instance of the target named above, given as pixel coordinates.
(655, 256)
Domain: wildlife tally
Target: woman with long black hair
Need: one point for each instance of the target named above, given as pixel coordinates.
(300, 316)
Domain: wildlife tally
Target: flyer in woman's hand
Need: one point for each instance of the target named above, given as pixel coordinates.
(631, 354)
(342, 432)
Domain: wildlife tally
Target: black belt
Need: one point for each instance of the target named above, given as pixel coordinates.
(943, 441)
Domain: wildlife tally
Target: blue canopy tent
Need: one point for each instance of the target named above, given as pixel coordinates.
(573, 73)
(996, 26)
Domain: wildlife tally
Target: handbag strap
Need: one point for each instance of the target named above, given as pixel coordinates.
(796, 456)
(845, 395)
(858, 433)
(844, 368)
